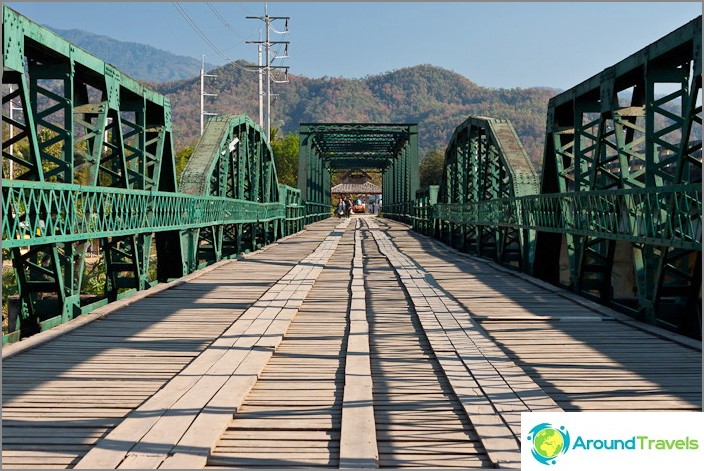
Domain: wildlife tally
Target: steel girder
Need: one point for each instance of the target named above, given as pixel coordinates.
(290, 198)
(233, 160)
(94, 160)
(392, 148)
(636, 125)
(423, 210)
(486, 161)
(82, 122)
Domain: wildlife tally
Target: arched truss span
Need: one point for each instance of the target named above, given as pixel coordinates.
(486, 161)
(234, 160)
(77, 123)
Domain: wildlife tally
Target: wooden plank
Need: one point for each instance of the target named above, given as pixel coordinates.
(499, 441)
(166, 428)
(280, 435)
(266, 445)
(233, 462)
(54, 461)
(527, 318)
(358, 447)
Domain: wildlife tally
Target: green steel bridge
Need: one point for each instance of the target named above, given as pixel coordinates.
(611, 231)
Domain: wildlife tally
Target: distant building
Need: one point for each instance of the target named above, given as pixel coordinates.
(357, 186)
(356, 183)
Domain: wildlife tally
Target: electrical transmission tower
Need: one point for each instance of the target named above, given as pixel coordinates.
(267, 67)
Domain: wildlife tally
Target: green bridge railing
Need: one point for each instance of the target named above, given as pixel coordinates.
(639, 216)
(47, 213)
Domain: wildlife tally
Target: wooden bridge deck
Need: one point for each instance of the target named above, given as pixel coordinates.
(355, 343)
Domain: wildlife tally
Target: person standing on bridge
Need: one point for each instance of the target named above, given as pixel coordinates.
(348, 206)
(340, 208)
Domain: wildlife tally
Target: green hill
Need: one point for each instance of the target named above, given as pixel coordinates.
(139, 61)
(436, 98)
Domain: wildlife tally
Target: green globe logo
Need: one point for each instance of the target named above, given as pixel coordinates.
(548, 442)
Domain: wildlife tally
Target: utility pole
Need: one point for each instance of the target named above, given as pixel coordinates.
(203, 95)
(268, 75)
(268, 59)
(261, 92)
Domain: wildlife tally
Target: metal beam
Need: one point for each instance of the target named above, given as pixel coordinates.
(637, 124)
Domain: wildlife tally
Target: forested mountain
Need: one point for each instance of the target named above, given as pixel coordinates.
(435, 98)
(139, 61)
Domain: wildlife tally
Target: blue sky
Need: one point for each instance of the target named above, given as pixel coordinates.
(499, 45)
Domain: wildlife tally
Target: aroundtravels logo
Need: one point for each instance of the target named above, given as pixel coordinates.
(588, 441)
(548, 442)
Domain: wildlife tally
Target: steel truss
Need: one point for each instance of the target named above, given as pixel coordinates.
(486, 161)
(392, 148)
(620, 201)
(636, 125)
(94, 164)
(234, 160)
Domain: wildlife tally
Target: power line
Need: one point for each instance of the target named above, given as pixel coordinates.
(244, 9)
(198, 31)
(224, 21)
(205, 39)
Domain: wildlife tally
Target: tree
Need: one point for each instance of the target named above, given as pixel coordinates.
(431, 168)
(22, 150)
(182, 157)
(286, 157)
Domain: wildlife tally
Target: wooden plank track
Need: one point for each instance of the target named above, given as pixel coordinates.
(489, 386)
(420, 421)
(74, 390)
(292, 415)
(354, 344)
(358, 444)
(585, 356)
(179, 425)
